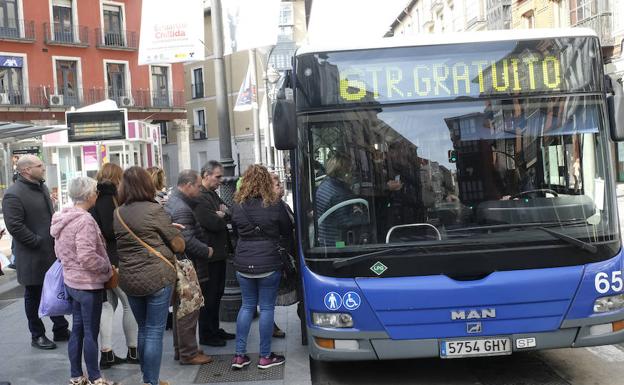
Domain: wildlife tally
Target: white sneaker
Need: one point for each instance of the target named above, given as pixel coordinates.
(78, 381)
(103, 381)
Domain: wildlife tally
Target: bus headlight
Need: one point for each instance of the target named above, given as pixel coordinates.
(332, 320)
(611, 303)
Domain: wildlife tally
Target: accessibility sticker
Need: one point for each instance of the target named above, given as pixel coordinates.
(333, 301)
(351, 300)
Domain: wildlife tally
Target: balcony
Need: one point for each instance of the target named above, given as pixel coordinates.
(601, 23)
(199, 132)
(64, 98)
(120, 40)
(18, 30)
(197, 91)
(74, 36)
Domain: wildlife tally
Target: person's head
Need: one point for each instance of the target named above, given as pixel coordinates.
(82, 191)
(339, 166)
(110, 172)
(189, 183)
(278, 187)
(136, 186)
(31, 168)
(158, 177)
(212, 174)
(257, 183)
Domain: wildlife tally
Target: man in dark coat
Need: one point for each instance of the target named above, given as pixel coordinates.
(212, 214)
(180, 207)
(27, 210)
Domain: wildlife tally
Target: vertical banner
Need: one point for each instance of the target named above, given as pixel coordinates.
(171, 32)
(90, 158)
(103, 153)
(247, 98)
(249, 24)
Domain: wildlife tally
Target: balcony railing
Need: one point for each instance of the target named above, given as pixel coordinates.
(199, 132)
(58, 34)
(17, 30)
(197, 91)
(54, 97)
(602, 24)
(122, 39)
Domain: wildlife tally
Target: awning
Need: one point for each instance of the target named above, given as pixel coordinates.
(15, 131)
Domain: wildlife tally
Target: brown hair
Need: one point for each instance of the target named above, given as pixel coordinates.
(257, 183)
(158, 177)
(338, 165)
(136, 186)
(110, 172)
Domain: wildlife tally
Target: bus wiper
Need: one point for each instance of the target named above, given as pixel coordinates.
(351, 260)
(571, 240)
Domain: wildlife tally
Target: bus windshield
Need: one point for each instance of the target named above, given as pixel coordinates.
(484, 174)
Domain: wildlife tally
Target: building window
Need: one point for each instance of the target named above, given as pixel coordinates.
(197, 87)
(581, 10)
(11, 81)
(116, 79)
(199, 128)
(528, 19)
(286, 22)
(113, 32)
(67, 82)
(160, 84)
(9, 23)
(63, 24)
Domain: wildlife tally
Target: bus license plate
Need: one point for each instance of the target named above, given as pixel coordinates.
(475, 347)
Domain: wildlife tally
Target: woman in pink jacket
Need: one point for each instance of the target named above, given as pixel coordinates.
(86, 268)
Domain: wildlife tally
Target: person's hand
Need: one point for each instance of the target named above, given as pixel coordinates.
(178, 226)
(210, 252)
(224, 209)
(221, 214)
(394, 185)
(54, 198)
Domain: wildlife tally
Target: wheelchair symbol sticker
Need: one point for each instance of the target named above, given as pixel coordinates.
(333, 301)
(351, 300)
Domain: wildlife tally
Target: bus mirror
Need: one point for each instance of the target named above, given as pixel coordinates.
(615, 104)
(284, 124)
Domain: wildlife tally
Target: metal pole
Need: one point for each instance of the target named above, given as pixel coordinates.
(254, 104)
(267, 133)
(223, 109)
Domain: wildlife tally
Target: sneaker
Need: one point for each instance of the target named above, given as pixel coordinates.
(104, 381)
(240, 361)
(270, 361)
(78, 381)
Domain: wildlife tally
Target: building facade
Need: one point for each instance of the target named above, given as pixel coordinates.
(61, 55)
(201, 98)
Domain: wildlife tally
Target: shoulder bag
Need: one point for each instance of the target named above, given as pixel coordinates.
(187, 285)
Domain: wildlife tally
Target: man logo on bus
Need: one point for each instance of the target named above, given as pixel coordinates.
(473, 314)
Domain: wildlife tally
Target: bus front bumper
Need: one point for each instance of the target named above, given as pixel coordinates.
(361, 346)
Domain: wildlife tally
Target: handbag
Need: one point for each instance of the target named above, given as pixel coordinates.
(187, 285)
(288, 262)
(113, 281)
(55, 301)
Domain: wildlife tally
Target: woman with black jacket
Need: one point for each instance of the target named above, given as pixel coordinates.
(109, 178)
(260, 221)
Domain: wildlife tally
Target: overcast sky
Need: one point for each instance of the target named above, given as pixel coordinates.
(351, 20)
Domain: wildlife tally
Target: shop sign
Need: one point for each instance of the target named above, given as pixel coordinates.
(11, 61)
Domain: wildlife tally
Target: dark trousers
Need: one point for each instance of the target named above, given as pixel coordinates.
(32, 297)
(86, 313)
(212, 289)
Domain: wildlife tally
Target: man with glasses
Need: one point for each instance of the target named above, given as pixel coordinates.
(212, 214)
(28, 210)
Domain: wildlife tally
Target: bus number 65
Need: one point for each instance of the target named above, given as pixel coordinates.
(603, 285)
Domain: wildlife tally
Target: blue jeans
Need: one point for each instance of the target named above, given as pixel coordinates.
(257, 291)
(86, 312)
(151, 315)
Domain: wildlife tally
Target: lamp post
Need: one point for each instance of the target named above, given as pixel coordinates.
(271, 77)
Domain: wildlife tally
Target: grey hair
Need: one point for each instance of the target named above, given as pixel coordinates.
(26, 161)
(81, 188)
(209, 167)
(187, 176)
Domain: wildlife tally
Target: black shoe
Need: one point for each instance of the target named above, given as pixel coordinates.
(62, 336)
(43, 343)
(108, 359)
(214, 341)
(133, 356)
(225, 335)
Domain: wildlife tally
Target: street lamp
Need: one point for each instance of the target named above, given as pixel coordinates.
(272, 76)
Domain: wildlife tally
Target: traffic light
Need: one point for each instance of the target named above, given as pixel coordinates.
(452, 156)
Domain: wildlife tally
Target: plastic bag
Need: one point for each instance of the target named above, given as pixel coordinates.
(54, 298)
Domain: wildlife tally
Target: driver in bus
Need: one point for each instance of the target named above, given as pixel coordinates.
(336, 188)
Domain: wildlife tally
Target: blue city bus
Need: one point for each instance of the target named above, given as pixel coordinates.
(455, 194)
